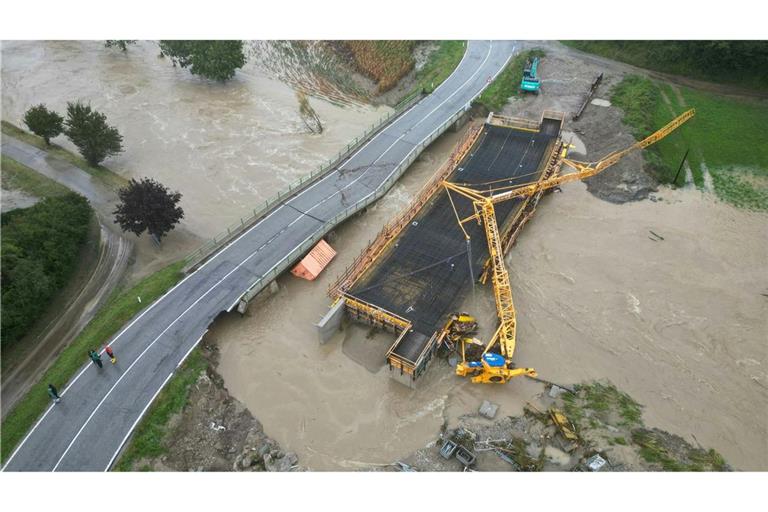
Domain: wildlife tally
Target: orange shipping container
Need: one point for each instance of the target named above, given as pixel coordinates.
(314, 262)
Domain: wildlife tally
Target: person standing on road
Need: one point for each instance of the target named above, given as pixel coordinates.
(95, 357)
(53, 393)
(111, 354)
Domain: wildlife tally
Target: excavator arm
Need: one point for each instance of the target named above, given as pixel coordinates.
(495, 368)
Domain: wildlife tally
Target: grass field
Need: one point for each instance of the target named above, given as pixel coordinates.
(18, 176)
(507, 83)
(148, 438)
(112, 180)
(726, 138)
(121, 307)
(440, 64)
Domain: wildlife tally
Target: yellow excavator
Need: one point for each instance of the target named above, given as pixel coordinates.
(496, 367)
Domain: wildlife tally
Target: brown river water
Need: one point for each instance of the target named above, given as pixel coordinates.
(680, 324)
(226, 147)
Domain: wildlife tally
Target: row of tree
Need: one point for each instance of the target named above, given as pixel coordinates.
(216, 60)
(719, 61)
(85, 127)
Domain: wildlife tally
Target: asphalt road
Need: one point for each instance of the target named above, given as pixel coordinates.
(101, 407)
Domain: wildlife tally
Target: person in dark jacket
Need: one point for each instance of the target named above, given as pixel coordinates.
(53, 393)
(95, 357)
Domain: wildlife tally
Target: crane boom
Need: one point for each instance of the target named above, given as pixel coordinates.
(499, 369)
(588, 169)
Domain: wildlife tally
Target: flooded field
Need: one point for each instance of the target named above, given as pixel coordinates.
(677, 323)
(226, 147)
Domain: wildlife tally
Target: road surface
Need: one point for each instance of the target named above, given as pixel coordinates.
(101, 407)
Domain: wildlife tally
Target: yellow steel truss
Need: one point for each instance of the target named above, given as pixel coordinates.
(484, 212)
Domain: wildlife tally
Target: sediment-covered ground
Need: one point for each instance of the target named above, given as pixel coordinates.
(601, 429)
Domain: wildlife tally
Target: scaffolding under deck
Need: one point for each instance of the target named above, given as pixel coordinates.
(413, 276)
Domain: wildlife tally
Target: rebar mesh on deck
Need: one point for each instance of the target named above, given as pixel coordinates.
(426, 270)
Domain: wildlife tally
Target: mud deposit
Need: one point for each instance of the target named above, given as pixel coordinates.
(599, 131)
(15, 199)
(215, 432)
(225, 147)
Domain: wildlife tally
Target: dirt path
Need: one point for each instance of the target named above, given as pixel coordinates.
(78, 306)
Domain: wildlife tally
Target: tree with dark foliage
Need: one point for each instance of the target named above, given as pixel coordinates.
(147, 205)
(40, 251)
(44, 123)
(119, 43)
(216, 60)
(89, 131)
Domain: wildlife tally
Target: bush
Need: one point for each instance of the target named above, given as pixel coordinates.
(40, 246)
(43, 122)
(637, 97)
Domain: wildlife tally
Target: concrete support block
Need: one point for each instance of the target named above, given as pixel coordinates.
(331, 322)
(403, 378)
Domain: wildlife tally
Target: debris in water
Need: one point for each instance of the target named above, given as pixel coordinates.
(596, 462)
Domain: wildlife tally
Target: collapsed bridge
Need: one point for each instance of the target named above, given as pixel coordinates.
(412, 277)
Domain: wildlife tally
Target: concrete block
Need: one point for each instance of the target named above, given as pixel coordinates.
(488, 409)
(331, 322)
(555, 391)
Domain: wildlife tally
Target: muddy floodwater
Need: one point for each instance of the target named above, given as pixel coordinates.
(678, 323)
(226, 147)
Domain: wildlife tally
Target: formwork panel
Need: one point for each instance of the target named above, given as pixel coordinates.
(426, 270)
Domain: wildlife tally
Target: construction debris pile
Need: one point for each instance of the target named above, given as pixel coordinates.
(593, 427)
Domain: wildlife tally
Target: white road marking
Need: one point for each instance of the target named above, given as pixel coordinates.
(141, 415)
(301, 217)
(87, 421)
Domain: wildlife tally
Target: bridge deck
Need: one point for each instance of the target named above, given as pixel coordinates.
(427, 268)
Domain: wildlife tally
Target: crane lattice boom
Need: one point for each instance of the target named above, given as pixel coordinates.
(490, 370)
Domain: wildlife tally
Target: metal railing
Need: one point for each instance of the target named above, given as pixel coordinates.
(390, 230)
(291, 257)
(235, 229)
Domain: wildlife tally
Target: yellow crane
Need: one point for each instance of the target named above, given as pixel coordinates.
(495, 367)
